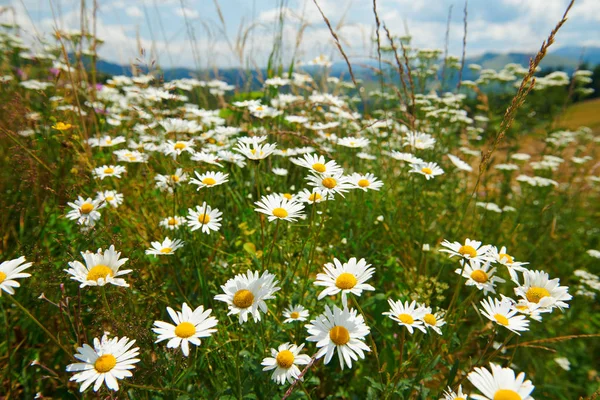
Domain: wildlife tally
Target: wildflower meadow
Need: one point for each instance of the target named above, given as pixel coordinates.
(298, 235)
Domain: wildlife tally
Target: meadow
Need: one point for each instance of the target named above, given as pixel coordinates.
(313, 238)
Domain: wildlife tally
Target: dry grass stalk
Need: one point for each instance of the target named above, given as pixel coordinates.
(464, 47)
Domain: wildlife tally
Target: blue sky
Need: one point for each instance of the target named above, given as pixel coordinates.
(160, 28)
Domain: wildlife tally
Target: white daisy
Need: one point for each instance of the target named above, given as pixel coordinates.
(460, 164)
(419, 140)
(111, 197)
(209, 179)
(167, 247)
(207, 158)
(245, 294)
(176, 148)
(11, 270)
(500, 384)
(433, 320)
(204, 217)
(503, 313)
(311, 197)
(278, 208)
(285, 360)
(280, 171)
(408, 315)
(353, 143)
(105, 141)
(295, 313)
(317, 164)
(100, 268)
(406, 157)
(502, 257)
(330, 184)
(255, 151)
(106, 171)
(172, 223)
(169, 182)
(471, 250)
(347, 278)
(190, 326)
(131, 156)
(341, 330)
(430, 170)
(538, 289)
(85, 211)
(107, 361)
(365, 181)
(451, 395)
(480, 274)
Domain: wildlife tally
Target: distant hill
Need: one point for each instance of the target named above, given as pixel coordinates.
(564, 58)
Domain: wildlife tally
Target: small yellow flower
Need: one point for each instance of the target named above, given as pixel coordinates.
(61, 126)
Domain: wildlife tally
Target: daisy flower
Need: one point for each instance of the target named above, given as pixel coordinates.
(430, 170)
(471, 250)
(353, 143)
(546, 293)
(347, 278)
(176, 148)
(330, 184)
(100, 268)
(107, 361)
(169, 182)
(245, 294)
(341, 330)
(207, 158)
(285, 360)
(11, 270)
(500, 384)
(106, 171)
(295, 313)
(131, 156)
(280, 171)
(204, 217)
(111, 197)
(408, 315)
(451, 395)
(105, 141)
(317, 164)
(433, 320)
(209, 179)
(167, 247)
(85, 211)
(190, 326)
(172, 223)
(364, 182)
(419, 140)
(460, 164)
(503, 313)
(278, 208)
(311, 197)
(502, 257)
(480, 274)
(255, 151)
(406, 157)
(532, 310)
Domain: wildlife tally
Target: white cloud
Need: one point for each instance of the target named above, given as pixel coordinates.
(187, 12)
(134, 11)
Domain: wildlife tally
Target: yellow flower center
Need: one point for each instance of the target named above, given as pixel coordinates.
(501, 319)
(426, 170)
(260, 108)
(109, 198)
(203, 219)
(319, 167)
(243, 298)
(86, 208)
(285, 359)
(175, 178)
(535, 294)
(339, 335)
(522, 308)
(179, 146)
(287, 196)
(479, 276)
(509, 259)
(406, 318)
(329, 183)
(109, 170)
(185, 330)
(363, 183)
(209, 181)
(108, 141)
(280, 212)
(430, 319)
(507, 394)
(345, 281)
(99, 271)
(172, 221)
(166, 250)
(3, 277)
(468, 250)
(315, 197)
(105, 363)
(294, 314)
